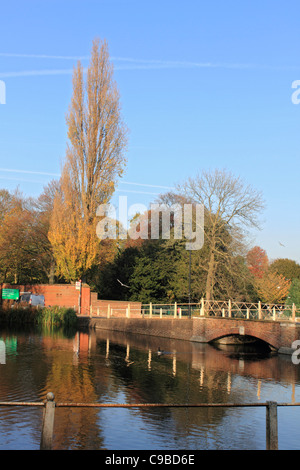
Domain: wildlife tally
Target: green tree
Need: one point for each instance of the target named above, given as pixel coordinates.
(288, 268)
(294, 293)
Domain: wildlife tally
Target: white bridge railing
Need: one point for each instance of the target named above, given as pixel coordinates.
(225, 309)
(212, 308)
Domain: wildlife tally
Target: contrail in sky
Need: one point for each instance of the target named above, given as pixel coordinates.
(43, 173)
(10, 170)
(121, 63)
(42, 56)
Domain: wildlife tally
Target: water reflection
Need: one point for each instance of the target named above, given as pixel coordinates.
(110, 367)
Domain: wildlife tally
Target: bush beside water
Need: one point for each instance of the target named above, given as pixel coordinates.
(56, 316)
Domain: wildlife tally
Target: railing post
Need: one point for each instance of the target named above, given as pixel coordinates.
(108, 311)
(175, 309)
(271, 426)
(293, 312)
(202, 312)
(259, 310)
(229, 308)
(48, 423)
(150, 310)
(160, 313)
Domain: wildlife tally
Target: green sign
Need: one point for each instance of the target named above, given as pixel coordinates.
(10, 294)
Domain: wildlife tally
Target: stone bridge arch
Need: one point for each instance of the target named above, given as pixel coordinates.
(210, 329)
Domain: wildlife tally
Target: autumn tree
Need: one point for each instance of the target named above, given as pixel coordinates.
(230, 208)
(24, 247)
(43, 209)
(272, 288)
(94, 160)
(257, 261)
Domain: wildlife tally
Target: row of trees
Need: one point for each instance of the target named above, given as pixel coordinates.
(157, 270)
(53, 238)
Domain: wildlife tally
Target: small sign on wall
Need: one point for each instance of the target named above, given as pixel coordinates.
(10, 294)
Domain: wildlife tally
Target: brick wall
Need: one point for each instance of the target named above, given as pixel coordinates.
(162, 327)
(66, 295)
(63, 295)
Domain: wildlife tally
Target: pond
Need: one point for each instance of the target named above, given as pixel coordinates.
(100, 366)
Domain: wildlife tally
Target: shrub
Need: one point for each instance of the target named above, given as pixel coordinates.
(56, 316)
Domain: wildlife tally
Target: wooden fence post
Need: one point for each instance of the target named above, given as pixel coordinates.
(150, 310)
(108, 311)
(48, 423)
(271, 426)
(175, 309)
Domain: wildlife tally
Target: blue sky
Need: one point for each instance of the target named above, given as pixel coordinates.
(203, 85)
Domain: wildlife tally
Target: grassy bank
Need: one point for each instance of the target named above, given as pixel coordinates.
(56, 316)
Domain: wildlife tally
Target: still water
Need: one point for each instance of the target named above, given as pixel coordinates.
(109, 367)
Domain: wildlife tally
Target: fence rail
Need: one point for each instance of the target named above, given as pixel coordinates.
(212, 308)
(49, 414)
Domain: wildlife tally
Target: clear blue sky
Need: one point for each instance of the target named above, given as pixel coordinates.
(203, 85)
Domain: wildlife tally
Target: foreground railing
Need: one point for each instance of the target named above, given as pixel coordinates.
(50, 405)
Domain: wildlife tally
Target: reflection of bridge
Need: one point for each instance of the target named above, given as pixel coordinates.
(204, 358)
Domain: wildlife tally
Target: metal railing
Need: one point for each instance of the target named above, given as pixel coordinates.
(49, 406)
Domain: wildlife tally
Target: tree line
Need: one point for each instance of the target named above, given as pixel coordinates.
(53, 238)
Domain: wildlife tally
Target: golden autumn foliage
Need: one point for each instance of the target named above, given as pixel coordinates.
(272, 288)
(94, 160)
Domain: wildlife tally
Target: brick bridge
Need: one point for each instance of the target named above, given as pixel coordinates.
(279, 335)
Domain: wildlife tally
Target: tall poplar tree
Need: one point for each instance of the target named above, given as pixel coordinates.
(94, 160)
